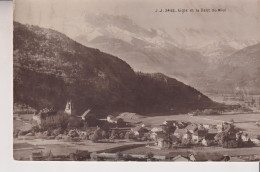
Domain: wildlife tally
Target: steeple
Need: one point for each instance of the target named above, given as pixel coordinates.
(68, 109)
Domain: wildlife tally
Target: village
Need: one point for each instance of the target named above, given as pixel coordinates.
(122, 136)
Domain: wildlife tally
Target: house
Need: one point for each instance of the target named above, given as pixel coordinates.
(222, 126)
(204, 142)
(153, 135)
(207, 126)
(211, 134)
(231, 132)
(181, 125)
(162, 143)
(239, 135)
(157, 129)
(255, 141)
(180, 158)
(83, 116)
(50, 116)
(111, 119)
(166, 141)
(180, 132)
(177, 156)
(192, 127)
(199, 134)
(171, 122)
(188, 135)
(139, 131)
(245, 137)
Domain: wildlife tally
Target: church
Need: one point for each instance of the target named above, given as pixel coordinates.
(51, 117)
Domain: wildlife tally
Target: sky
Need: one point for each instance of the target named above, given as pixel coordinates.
(240, 21)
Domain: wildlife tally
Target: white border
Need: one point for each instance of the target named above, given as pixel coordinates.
(6, 159)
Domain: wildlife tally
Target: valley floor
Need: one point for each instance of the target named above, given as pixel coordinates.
(24, 147)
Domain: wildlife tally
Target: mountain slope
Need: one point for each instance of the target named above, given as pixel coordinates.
(245, 68)
(236, 73)
(50, 68)
(216, 51)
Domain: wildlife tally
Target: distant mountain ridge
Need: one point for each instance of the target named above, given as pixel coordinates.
(146, 50)
(153, 50)
(50, 68)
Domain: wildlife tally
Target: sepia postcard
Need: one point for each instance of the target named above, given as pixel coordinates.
(131, 80)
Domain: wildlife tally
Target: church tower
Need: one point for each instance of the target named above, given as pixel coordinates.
(68, 109)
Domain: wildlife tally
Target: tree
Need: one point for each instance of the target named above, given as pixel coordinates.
(113, 135)
(129, 135)
(74, 122)
(120, 122)
(104, 134)
(169, 129)
(88, 133)
(121, 135)
(128, 157)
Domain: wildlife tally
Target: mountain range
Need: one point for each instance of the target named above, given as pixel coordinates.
(51, 68)
(204, 67)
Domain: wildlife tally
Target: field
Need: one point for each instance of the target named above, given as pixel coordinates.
(231, 152)
(23, 148)
(22, 122)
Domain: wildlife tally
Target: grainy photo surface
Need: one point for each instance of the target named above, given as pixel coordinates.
(129, 80)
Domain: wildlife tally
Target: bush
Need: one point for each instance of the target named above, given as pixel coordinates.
(35, 129)
(230, 144)
(129, 135)
(113, 135)
(94, 138)
(93, 156)
(73, 133)
(121, 135)
(186, 142)
(128, 158)
(56, 132)
(119, 156)
(59, 137)
(104, 134)
(149, 155)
